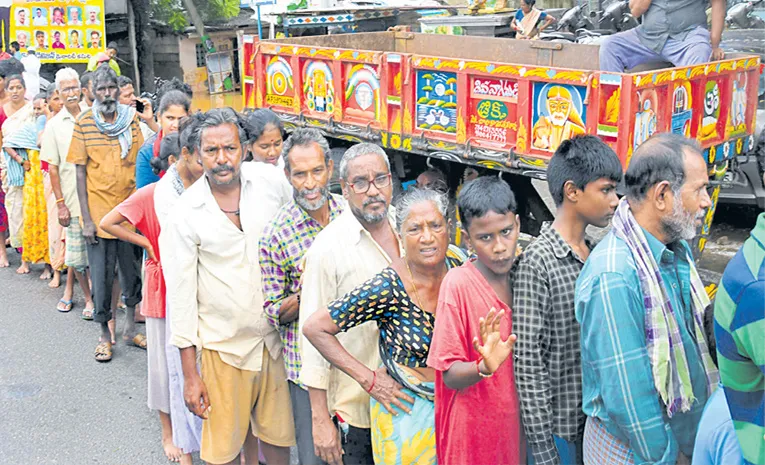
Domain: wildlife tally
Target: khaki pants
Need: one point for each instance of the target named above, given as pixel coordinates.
(240, 399)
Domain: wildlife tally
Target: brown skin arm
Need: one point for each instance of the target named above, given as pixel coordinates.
(321, 330)
(326, 437)
(88, 228)
(64, 215)
(194, 389)
(718, 24)
(289, 310)
(639, 7)
(112, 224)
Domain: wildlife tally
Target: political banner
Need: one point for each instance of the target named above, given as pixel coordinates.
(59, 31)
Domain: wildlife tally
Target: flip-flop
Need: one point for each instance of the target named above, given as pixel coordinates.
(103, 352)
(139, 340)
(87, 314)
(67, 306)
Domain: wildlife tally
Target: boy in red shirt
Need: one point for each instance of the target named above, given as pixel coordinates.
(477, 412)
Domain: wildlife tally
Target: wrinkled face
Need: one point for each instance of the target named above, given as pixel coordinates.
(368, 188)
(268, 147)
(309, 175)
(690, 203)
(55, 104)
(70, 92)
(127, 95)
(221, 152)
(16, 90)
(494, 237)
(106, 93)
(169, 119)
(559, 109)
(39, 106)
(597, 202)
(426, 235)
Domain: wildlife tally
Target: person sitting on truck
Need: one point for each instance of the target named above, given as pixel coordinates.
(672, 30)
(529, 21)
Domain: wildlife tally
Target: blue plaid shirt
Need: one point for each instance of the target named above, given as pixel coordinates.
(618, 385)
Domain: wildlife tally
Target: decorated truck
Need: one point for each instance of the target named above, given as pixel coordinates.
(499, 104)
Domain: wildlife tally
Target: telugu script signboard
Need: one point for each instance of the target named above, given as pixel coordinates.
(59, 31)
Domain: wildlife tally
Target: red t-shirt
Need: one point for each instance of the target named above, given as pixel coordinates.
(479, 425)
(139, 211)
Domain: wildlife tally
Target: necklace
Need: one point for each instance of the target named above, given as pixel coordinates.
(411, 278)
(235, 212)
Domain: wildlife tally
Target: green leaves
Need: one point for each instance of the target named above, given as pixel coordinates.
(172, 12)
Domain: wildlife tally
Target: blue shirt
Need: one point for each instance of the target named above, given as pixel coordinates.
(144, 173)
(716, 441)
(617, 383)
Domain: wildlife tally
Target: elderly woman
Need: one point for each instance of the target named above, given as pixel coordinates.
(402, 299)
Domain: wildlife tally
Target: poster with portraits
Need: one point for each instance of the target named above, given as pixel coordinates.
(59, 31)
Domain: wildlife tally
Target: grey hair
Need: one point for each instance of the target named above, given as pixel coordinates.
(218, 117)
(304, 138)
(66, 74)
(359, 150)
(414, 196)
(660, 158)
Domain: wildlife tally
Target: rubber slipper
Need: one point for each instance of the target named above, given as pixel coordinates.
(67, 306)
(87, 314)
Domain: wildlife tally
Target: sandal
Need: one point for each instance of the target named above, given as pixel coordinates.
(139, 340)
(103, 352)
(67, 306)
(87, 313)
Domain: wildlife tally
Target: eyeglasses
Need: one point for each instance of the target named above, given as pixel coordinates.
(67, 90)
(362, 186)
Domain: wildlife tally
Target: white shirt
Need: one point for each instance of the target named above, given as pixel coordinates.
(342, 257)
(40, 21)
(212, 272)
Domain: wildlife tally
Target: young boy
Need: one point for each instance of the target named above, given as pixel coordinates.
(477, 416)
(582, 176)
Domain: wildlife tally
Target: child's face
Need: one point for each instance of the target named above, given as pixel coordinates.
(494, 237)
(597, 202)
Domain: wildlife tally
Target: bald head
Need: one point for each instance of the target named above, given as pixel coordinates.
(661, 158)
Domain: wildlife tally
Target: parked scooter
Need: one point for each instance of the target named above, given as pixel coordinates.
(740, 16)
(577, 26)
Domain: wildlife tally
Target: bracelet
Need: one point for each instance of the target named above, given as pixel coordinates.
(374, 379)
(59, 200)
(478, 369)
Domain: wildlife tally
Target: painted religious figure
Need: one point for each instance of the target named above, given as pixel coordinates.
(562, 121)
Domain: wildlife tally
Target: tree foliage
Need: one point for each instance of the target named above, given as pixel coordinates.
(172, 12)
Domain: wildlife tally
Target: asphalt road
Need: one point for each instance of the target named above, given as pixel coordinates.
(59, 406)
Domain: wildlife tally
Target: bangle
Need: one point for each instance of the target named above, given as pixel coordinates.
(478, 369)
(374, 379)
(59, 200)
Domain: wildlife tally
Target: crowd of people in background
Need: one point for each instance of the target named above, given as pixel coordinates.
(278, 313)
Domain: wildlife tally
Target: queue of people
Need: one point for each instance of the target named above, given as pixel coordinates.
(279, 314)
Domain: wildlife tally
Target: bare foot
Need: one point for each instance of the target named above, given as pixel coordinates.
(46, 274)
(112, 330)
(3, 258)
(186, 459)
(173, 453)
(56, 281)
(23, 269)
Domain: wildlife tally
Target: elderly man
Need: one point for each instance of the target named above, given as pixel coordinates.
(353, 248)
(54, 149)
(216, 306)
(104, 147)
(646, 368)
(308, 167)
(739, 330)
(671, 30)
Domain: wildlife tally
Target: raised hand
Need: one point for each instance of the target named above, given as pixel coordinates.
(490, 344)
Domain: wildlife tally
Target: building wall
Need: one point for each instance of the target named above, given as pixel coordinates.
(196, 76)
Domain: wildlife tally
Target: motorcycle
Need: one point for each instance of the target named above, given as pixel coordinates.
(740, 16)
(578, 27)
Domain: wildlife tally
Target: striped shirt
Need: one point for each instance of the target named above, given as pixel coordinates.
(110, 178)
(282, 247)
(13, 169)
(740, 333)
(617, 385)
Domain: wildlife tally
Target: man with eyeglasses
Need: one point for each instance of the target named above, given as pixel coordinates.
(63, 178)
(350, 250)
